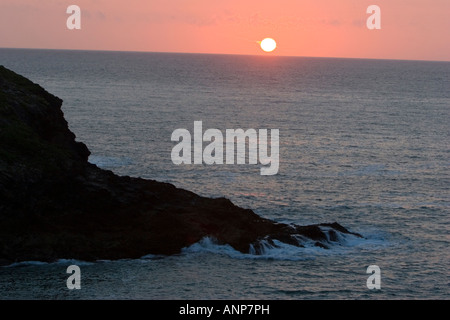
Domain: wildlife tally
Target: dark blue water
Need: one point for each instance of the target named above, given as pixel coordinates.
(365, 143)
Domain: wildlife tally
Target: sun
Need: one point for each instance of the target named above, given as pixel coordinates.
(268, 44)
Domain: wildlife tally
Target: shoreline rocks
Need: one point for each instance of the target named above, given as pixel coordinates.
(54, 204)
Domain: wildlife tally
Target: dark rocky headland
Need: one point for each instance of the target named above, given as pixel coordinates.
(55, 204)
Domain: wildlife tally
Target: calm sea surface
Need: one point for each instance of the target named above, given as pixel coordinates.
(365, 143)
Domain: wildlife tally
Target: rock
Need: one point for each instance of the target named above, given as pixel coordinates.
(4, 262)
(55, 204)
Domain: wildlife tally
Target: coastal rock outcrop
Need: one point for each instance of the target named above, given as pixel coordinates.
(55, 204)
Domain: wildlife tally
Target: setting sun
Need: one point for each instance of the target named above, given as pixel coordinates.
(268, 44)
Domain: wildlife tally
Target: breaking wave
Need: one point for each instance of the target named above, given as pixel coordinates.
(277, 250)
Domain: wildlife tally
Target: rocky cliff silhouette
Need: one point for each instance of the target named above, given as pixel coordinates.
(55, 204)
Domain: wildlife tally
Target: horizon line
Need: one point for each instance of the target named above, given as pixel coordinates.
(227, 54)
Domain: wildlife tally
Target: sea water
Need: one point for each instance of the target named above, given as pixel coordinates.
(365, 143)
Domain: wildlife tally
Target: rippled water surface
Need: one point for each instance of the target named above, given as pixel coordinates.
(365, 143)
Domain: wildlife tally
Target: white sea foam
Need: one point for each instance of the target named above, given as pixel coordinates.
(57, 262)
(73, 261)
(282, 251)
(27, 263)
(277, 250)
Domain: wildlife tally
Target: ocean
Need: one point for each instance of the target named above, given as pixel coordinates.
(365, 143)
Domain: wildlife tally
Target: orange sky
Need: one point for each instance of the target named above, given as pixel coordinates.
(411, 29)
